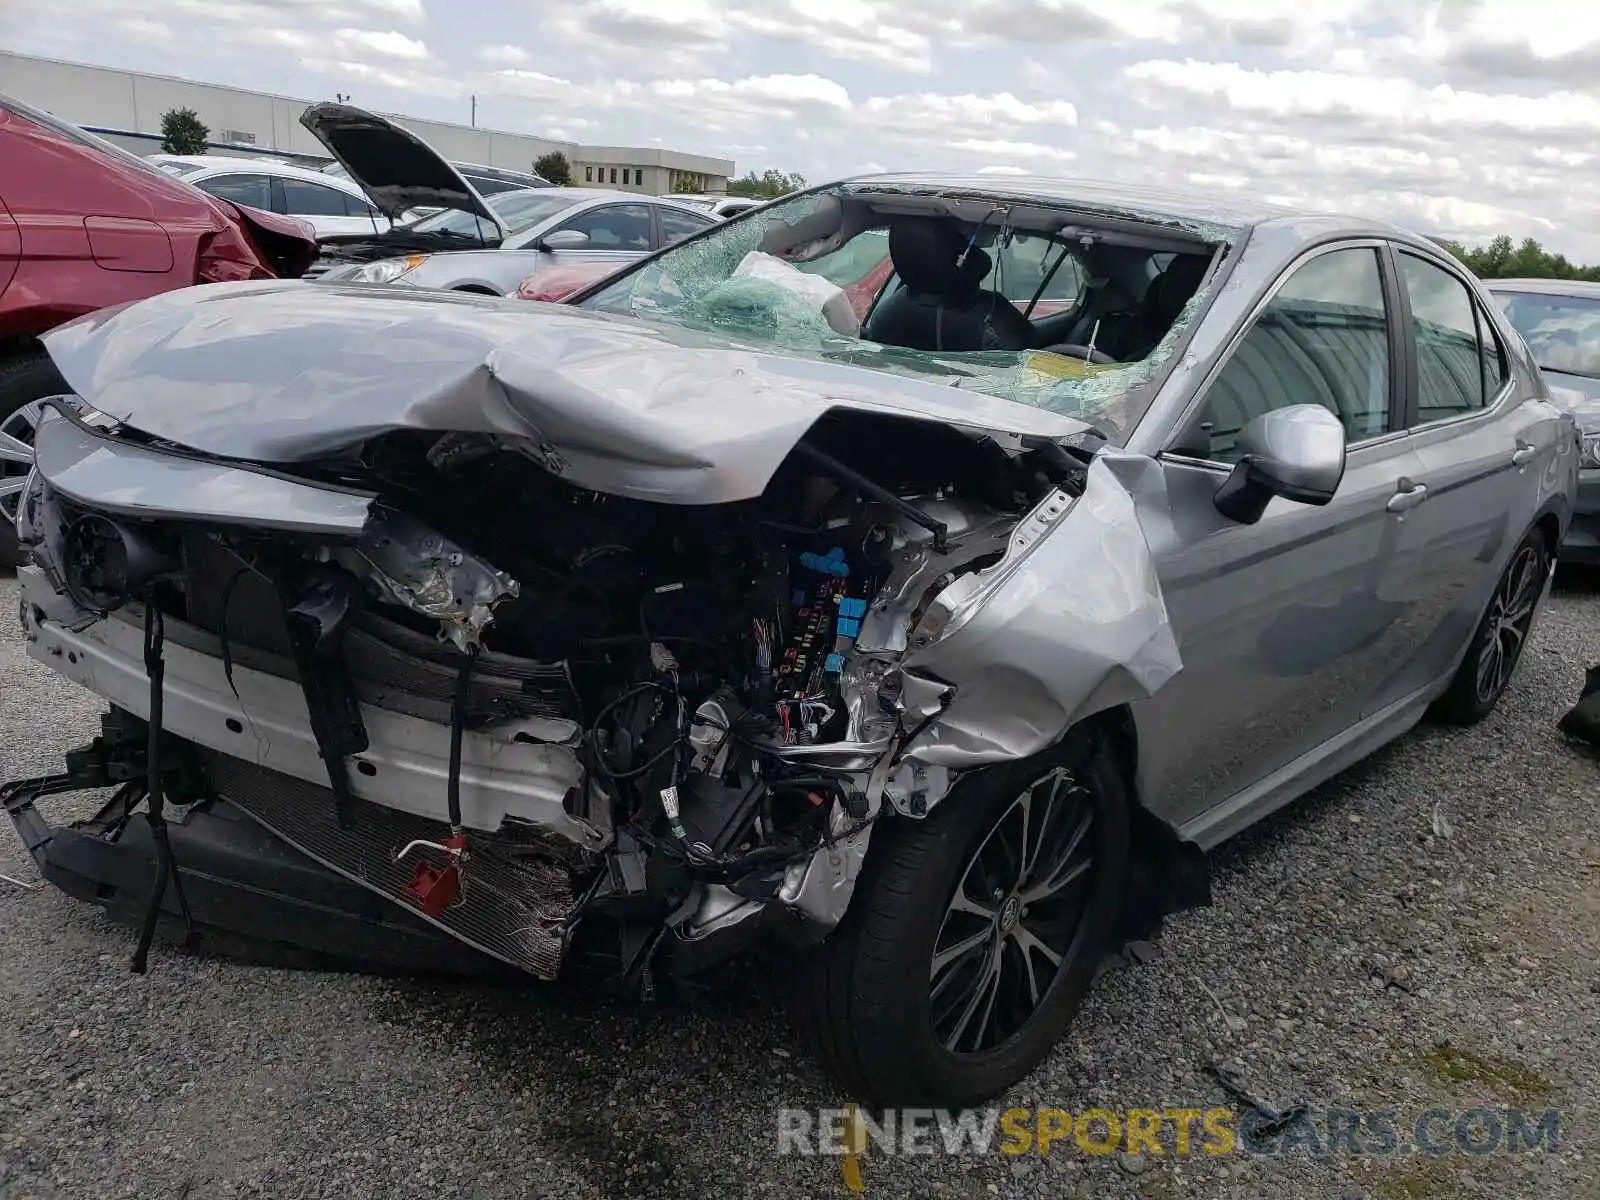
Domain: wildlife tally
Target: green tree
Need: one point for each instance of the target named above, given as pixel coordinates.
(768, 185)
(554, 167)
(1504, 259)
(182, 132)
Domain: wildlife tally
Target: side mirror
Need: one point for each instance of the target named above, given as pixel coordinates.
(564, 239)
(1295, 452)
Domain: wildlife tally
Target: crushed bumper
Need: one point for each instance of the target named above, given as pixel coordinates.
(240, 881)
(261, 718)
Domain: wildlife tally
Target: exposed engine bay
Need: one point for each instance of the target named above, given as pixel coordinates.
(716, 688)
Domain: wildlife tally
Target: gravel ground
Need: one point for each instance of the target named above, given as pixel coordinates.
(1353, 958)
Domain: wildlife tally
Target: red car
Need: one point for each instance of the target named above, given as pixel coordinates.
(84, 224)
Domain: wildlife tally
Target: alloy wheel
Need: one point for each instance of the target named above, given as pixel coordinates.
(16, 455)
(1510, 619)
(1015, 920)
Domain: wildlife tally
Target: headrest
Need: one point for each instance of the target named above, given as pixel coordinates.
(1173, 288)
(924, 251)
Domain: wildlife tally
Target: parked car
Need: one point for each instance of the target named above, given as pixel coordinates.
(328, 204)
(85, 224)
(526, 228)
(1560, 320)
(697, 611)
(719, 204)
(487, 181)
(536, 229)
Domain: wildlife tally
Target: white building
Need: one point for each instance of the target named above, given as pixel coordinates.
(126, 107)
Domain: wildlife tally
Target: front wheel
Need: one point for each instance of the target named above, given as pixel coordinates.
(1501, 635)
(973, 935)
(24, 381)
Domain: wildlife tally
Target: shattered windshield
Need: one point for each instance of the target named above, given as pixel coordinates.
(1023, 305)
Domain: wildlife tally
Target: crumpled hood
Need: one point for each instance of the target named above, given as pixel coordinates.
(278, 373)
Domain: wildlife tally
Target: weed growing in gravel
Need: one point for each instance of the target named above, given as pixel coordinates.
(1455, 1065)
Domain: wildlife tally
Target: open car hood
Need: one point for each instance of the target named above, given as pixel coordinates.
(279, 373)
(395, 168)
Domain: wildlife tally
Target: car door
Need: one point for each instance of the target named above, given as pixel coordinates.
(1481, 451)
(240, 188)
(615, 231)
(326, 208)
(1284, 625)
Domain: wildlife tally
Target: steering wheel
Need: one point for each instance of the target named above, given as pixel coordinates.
(1074, 350)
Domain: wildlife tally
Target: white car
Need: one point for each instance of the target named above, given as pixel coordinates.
(720, 205)
(331, 205)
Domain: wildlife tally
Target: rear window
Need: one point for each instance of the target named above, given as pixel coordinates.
(488, 186)
(1562, 331)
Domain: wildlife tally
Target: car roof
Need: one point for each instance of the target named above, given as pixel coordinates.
(1545, 287)
(1222, 206)
(264, 166)
(206, 160)
(578, 194)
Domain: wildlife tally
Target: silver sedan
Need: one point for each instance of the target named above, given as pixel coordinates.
(922, 572)
(546, 227)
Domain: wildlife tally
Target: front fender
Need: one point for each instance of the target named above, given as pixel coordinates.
(1071, 621)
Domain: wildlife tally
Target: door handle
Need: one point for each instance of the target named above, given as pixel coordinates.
(1407, 496)
(1523, 454)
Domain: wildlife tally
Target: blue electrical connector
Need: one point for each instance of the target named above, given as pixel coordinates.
(853, 607)
(832, 564)
(834, 663)
(848, 628)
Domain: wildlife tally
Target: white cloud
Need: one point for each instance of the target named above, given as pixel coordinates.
(1031, 152)
(387, 44)
(1403, 102)
(1460, 116)
(931, 114)
(503, 55)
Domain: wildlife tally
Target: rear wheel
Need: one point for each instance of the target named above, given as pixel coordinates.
(973, 935)
(1501, 635)
(24, 381)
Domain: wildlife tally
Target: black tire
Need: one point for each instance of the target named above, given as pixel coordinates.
(865, 1001)
(1502, 633)
(23, 380)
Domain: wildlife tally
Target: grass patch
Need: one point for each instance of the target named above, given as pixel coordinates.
(1455, 1065)
(1428, 1181)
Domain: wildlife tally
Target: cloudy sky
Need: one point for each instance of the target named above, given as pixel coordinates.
(1466, 117)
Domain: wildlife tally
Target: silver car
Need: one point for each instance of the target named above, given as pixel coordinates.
(537, 229)
(1560, 320)
(763, 593)
(472, 241)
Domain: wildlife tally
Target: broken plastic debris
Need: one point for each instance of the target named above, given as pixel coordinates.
(411, 565)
